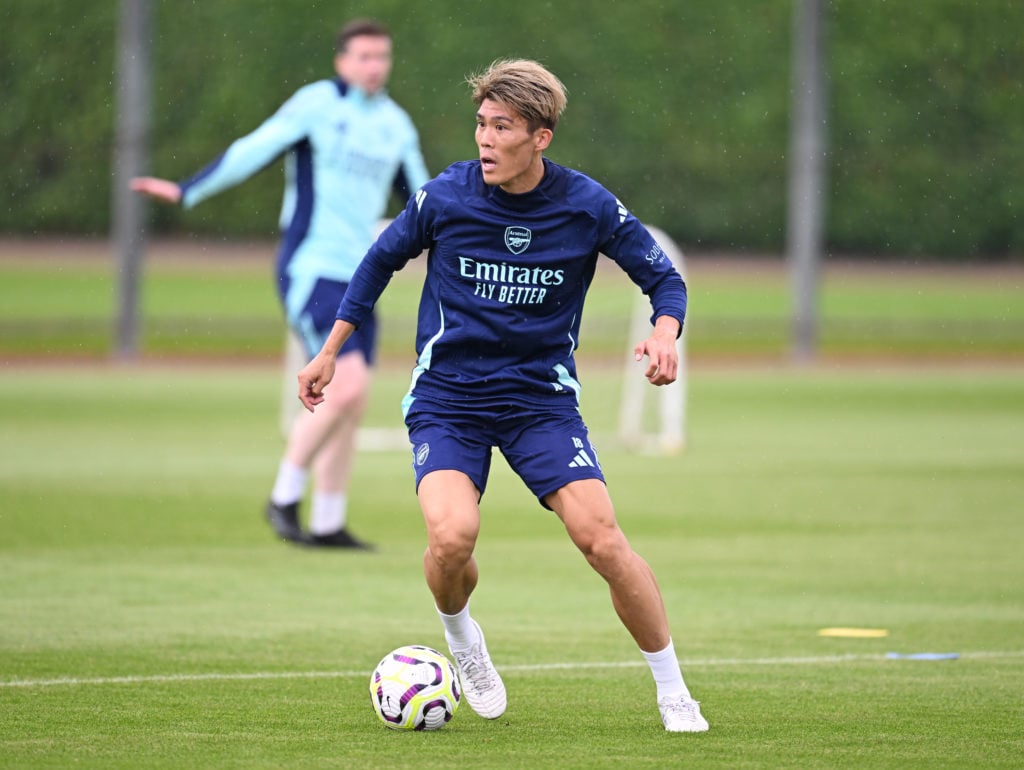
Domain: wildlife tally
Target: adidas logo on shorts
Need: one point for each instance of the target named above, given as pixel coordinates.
(581, 460)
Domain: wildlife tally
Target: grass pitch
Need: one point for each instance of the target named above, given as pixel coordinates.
(149, 620)
(215, 300)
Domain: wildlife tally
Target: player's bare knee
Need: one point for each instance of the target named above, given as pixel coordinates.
(605, 550)
(450, 556)
(451, 548)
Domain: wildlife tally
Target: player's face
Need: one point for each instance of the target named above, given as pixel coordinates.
(365, 63)
(510, 155)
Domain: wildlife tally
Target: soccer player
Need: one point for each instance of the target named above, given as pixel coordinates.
(347, 145)
(513, 241)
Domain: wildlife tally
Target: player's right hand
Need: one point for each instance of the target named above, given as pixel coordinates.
(313, 378)
(161, 189)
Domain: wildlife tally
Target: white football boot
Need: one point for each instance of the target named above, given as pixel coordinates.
(682, 715)
(481, 683)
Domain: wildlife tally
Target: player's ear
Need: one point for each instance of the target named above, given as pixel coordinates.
(542, 138)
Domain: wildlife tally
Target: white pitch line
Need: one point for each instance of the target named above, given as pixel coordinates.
(524, 668)
(157, 678)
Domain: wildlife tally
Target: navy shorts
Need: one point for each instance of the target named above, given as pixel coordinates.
(316, 319)
(546, 448)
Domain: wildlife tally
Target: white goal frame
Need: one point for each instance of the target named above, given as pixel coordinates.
(668, 436)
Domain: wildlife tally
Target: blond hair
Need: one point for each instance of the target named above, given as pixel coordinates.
(525, 86)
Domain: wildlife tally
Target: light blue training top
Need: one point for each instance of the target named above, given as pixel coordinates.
(344, 152)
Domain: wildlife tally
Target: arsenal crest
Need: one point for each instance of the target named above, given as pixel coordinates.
(517, 239)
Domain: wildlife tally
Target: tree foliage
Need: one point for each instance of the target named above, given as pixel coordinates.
(681, 109)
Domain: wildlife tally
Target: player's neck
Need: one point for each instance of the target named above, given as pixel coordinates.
(528, 181)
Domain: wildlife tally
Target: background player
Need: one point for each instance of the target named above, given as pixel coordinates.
(513, 241)
(346, 146)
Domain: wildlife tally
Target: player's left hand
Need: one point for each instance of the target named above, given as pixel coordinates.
(662, 355)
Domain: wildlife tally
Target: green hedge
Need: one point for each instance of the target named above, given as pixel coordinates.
(681, 108)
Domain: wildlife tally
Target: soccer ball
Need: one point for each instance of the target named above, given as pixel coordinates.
(415, 688)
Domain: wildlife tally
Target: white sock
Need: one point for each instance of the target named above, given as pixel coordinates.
(328, 512)
(289, 485)
(667, 676)
(459, 629)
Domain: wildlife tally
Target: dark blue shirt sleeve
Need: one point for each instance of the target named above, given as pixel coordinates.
(636, 251)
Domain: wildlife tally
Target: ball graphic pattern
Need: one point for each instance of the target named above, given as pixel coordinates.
(415, 688)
